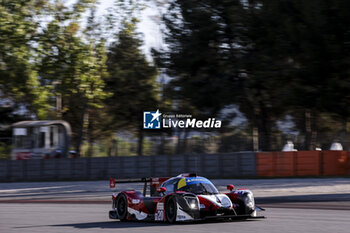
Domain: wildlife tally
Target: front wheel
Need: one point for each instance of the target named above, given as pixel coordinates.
(122, 207)
(171, 210)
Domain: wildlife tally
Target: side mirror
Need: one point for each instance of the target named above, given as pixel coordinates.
(161, 190)
(230, 187)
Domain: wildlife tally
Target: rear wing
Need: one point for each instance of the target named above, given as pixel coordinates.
(154, 182)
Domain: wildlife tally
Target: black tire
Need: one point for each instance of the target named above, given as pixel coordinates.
(242, 210)
(122, 207)
(171, 209)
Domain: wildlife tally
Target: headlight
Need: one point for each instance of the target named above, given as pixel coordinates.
(225, 202)
(192, 202)
(249, 200)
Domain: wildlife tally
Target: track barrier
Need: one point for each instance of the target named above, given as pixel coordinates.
(239, 164)
(303, 163)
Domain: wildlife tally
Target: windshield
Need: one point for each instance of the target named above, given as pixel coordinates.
(197, 186)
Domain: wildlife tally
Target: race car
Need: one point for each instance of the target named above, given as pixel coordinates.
(186, 197)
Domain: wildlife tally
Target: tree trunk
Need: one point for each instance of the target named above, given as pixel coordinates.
(91, 148)
(185, 142)
(255, 139)
(81, 130)
(179, 143)
(343, 132)
(310, 130)
(90, 137)
(265, 128)
(255, 127)
(140, 143)
(161, 146)
(112, 151)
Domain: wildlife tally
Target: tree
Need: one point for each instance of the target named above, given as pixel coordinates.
(199, 56)
(312, 40)
(76, 68)
(318, 33)
(18, 69)
(216, 48)
(271, 58)
(132, 81)
(265, 68)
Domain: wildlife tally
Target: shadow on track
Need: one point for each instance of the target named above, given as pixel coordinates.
(103, 225)
(110, 224)
(136, 224)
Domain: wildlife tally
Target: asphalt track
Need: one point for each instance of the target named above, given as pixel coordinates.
(93, 218)
(292, 205)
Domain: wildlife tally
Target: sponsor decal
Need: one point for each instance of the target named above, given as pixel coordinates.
(181, 183)
(242, 191)
(160, 206)
(159, 216)
(155, 180)
(135, 201)
(190, 180)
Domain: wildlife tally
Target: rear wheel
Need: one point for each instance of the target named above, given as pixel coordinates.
(122, 207)
(171, 210)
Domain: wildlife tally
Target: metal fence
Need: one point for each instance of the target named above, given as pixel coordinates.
(241, 164)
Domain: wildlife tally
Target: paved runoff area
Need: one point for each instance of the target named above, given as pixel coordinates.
(266, 190)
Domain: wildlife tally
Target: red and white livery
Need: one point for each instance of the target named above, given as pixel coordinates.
(186, 197)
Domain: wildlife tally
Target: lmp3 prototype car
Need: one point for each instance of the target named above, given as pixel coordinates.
(187, 197)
